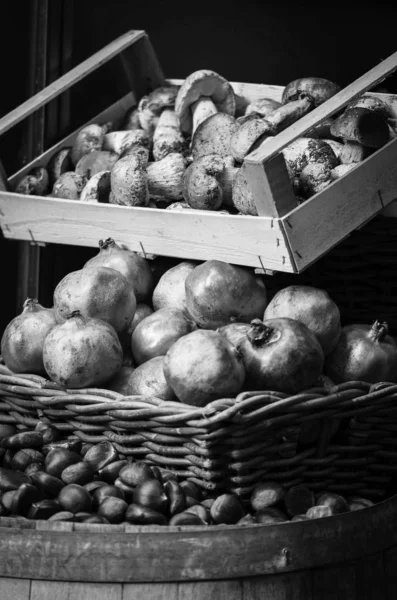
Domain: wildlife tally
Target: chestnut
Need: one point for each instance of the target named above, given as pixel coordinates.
(97, 519)
(33, 468)
(319, 511)
(336, 502)
(298, 500)
(176, 497)
(11, 480)
(58, 459)
(113, 509)
(143, 515)
(192, 489)
(101, 455)
(23, 458)
(202, 512)
(270, 516)
(81, 473)
(24, 497)
(106, 491)
(43, 509)
(135, 473)
(185, 518)
(50, 434)
(24, 439)
(266, 493)
(111, 472)
(227, 509)
(150, 493)
(6, 430)
(248, 519)
(74, 498)
(7, 499)
(94, 485)
(62, 515)
(48, 484)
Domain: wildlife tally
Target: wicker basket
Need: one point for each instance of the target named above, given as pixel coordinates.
(340, 439)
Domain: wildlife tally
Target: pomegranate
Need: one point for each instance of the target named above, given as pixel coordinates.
(281, 355)
(98, 292)
(234, 332)
(313, 307)
(218, 293)
(135, 268)
(170, 290)
(142, 311)
(156, 334)
(148, 380)
(23, 338)
(203, 366)
(363, 353)
(82, 352)
(120, 383)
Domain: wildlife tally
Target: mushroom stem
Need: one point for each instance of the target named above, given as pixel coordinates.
(353, 152)
(167, 137)
(165, 177)
(201, 110)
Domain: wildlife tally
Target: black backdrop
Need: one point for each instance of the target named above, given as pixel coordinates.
(270, 42)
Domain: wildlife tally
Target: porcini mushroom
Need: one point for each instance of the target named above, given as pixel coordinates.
(341, 170)
(97, 189)
(59, 163)
(202, 94)
(69, 186)
(35, 183)
(96, 161)
(131, 120)
(88, 139)
(208, 181)
(361, 130)
(129, 180)
(304, 151)
(314, 177)
(263, 107)
(121, 142)
(151, 106)
(165, 177)
(214, 135)
(371, 103)
(316, 89)
(168, 137)
(242, 197)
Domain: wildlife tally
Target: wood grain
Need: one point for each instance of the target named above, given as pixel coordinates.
(334, 583)
(154, 591)
(171, 554)
(221, 590)
(288, 586)
(14, 589)
(66, 81)
(325, 110)
(328, 217)
(65, 590)
(202, 235)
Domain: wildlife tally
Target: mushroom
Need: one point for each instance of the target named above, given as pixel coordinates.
(131, 120)
(337, 147)
(168, 137)
(129, 180)
(88, 139)
(242, 197)
(97, 189)
(361, 130)
(165, 177)
(214, 135)
(341, 170)
(208, 182)
(69, 186)
(59, 163)
(371, 103)
(202, 94)
(321, 130)
(316, 89)
(121, 142)
(253, 132)
(151, 106)
(262, 106)
(96, 161)
(304, 151)
(182, 206)
(314, 177)
(35, 183)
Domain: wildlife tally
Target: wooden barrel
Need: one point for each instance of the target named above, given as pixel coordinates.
(346, 557)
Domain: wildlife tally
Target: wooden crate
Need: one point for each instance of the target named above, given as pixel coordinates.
(285, 237)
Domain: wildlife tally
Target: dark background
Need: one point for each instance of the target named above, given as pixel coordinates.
(259, 42)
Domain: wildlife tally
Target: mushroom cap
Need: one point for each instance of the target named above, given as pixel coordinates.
(151, 106)
(262, 106)
(202, 182)
(367, 127)
(247, 135)
(371, 103)
(213, 136)
(316, 88)
(203, 83)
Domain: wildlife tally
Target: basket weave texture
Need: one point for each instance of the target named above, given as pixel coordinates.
(340, 439)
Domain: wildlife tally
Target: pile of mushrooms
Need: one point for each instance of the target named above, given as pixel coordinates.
(183, 147)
